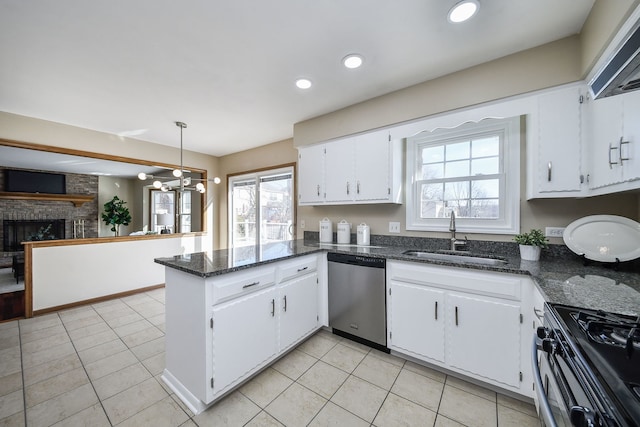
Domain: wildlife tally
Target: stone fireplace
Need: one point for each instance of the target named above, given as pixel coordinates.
(35, 214)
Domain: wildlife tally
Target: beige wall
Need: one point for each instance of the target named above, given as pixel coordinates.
(125, 189)
(35, 131)
(550, 65)
(278, 153)
(601, 26)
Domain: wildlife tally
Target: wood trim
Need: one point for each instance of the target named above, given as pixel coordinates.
(94, 240)
(28, 282)
(96, 300)
(77, 199)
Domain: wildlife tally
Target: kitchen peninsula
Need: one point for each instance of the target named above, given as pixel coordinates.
(230, 313)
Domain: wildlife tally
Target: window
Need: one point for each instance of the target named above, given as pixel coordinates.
(163, 211)
(261, 208)
(472, 170)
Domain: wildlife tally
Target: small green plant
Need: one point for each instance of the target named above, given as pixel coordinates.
(533, 238)
(116, 214)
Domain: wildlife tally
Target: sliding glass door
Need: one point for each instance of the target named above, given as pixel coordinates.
(261, 207)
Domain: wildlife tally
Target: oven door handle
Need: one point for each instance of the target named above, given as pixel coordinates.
(545, 409)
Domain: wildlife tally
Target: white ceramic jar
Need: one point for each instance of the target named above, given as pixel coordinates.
(344, 232)
(326, 231)
(363, 235)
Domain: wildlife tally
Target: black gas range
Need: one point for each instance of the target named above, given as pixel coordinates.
(588, 369)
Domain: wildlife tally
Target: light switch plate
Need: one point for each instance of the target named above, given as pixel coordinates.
(302, 223)
(394, 227)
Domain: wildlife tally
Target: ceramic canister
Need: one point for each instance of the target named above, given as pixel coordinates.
(344, 232)
(363, 235)
(326, 231)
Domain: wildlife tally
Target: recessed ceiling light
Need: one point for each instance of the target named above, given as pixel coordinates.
(463, 10)
(303, 83)
(352, 60)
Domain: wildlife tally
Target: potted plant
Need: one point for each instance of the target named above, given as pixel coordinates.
(116, 214)
(531, 244)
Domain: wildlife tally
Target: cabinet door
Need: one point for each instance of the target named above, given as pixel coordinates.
(373, 164)
(604, 132)
(298, 306)
(558, 159)
(631, 135)
(311, 175)
(483, 338)
(417, 321)
(339, 177)
(244, 336)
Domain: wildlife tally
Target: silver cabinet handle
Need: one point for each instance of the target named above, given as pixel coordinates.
(611, 163)
(273, 307)
(456, 316)
(620, 151)
(302, 269)
(436, 311)
(549, 172)
(318, 189)
(347, 187)
(285, 303)
(358, 187)
(250, 285)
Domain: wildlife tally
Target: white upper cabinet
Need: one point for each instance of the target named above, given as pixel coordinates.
(311, 175)
(340, 171)
(555, 158)
(361, 169)
(613, 136)
(628, 147)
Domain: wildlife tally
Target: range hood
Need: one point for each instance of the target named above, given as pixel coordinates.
(621, 73)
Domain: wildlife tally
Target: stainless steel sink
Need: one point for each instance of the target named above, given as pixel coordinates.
(457, 257)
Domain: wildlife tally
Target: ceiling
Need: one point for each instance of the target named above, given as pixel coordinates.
(227, 68)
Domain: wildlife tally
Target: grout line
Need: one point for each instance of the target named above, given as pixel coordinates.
(85, 370)
(24, 387)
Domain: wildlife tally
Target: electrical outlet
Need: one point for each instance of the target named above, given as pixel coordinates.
(302, 224)
(553, 231)
(394, 227)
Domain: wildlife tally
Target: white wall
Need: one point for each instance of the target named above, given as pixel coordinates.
(71, 273)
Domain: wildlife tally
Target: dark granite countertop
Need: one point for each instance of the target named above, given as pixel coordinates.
(560, 275)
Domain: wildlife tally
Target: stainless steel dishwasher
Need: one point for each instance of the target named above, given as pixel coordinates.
(357, 298)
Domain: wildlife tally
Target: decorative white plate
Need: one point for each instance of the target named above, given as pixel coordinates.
(604, 238)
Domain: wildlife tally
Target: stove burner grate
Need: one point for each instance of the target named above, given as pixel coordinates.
(610, 329)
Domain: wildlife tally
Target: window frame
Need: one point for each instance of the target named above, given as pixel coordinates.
(510, 142)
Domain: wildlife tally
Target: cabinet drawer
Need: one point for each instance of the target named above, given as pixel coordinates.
(500, 285)
(298, 267)
(242, 282)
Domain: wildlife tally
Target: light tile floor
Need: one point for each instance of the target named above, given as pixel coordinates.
(100, 365)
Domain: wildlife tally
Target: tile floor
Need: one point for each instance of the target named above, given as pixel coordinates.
(100, 365)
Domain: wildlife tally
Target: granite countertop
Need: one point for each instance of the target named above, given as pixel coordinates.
(561, 276)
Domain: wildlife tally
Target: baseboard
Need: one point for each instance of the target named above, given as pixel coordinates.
(96, 300)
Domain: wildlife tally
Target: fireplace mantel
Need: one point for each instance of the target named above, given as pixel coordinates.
(77, 199)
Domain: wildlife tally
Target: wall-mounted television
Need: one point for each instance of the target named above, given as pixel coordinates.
(22, 181)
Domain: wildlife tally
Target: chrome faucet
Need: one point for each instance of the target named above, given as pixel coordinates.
(455, 243)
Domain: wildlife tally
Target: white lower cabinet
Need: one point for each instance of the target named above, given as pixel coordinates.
(221, 330)
(464, 320)
(483, 337)
(298, 309)
(418, 320)
(244, 336)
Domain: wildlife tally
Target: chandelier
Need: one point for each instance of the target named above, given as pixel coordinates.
(178, 181)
